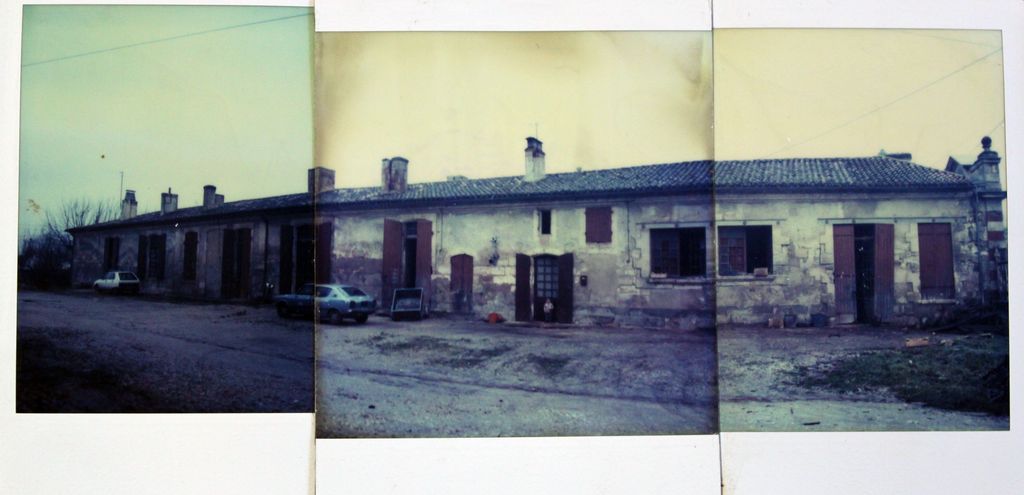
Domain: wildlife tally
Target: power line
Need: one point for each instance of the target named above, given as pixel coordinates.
(161, 40)
(889, 104)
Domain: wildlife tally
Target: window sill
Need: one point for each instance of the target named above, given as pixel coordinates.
(745, 278)
(678, 280)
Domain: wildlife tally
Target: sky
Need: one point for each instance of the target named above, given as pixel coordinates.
(172, 96)
(853, 92)
(463, 103)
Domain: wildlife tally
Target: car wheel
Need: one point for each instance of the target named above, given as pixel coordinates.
(282, 310)
(362, 318)
(334, 317)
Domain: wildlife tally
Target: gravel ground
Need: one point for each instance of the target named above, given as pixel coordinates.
(455, 378)
(82, 352)
(758, 394)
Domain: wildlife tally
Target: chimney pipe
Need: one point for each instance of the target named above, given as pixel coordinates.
(534, 160)
(129, 207)
(168, 202)
(320, 179)
(394, 174)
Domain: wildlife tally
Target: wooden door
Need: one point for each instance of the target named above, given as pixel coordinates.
(462, 283)
(523, 290)
(845, 275)
(391, 271)
(936, 248)
(884, 276)
(563, 310)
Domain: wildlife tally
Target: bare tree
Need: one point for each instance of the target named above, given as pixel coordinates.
(45, 258)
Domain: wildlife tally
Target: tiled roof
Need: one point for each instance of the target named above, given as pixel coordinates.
(868, 174)
(874, 173)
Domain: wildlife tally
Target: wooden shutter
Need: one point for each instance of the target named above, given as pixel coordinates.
(284, 285)
(565, 284)
(884, 277)
(845, 275)
(523, 290)
(936, 247)
(391, 271)
(322, 258)
(599, 224)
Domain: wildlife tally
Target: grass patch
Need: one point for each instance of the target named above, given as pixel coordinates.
(970, 375)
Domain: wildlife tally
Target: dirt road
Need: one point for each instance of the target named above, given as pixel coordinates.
(80, 352)
(758, 393)
(444, 377)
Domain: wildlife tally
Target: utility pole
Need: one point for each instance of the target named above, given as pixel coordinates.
(120, 192)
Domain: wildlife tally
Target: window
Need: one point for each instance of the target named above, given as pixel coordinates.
(936, 248)
(678, 252)
(743, 250)
(111, 253)
(545, 221)
(322, 291)
(305, 290)
(599, 224)
(191, 247)
(152, 249)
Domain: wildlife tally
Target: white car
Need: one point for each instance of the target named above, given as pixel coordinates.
(117, 282)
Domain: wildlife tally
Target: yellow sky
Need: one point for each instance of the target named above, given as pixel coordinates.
(463, 103)
(850, 92)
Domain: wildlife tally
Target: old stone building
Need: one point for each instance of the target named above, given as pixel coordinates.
(647, 245)
(857, 239)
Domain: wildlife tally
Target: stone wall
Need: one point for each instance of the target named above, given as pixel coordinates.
(802, 250)
(619, 288)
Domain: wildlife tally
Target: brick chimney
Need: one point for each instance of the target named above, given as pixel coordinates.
(394, 174)
(209, 196)
(129, 207)
(320, 179)
(168, 202)
(534, 160)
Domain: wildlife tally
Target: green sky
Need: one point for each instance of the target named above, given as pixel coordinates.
(227, 100)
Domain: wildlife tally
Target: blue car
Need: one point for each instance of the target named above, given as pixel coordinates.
(330, 302)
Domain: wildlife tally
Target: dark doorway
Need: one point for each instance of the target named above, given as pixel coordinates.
(235, 263)
(305, 251)
(545, 286)
(864, 261)
(863, 272)
(409, 256)
(462, 283)
(552, 281)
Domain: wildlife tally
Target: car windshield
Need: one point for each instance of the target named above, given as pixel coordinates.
(305, 290)
(323, 291)
(109, 276)
(128, 276)
(352, 291)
